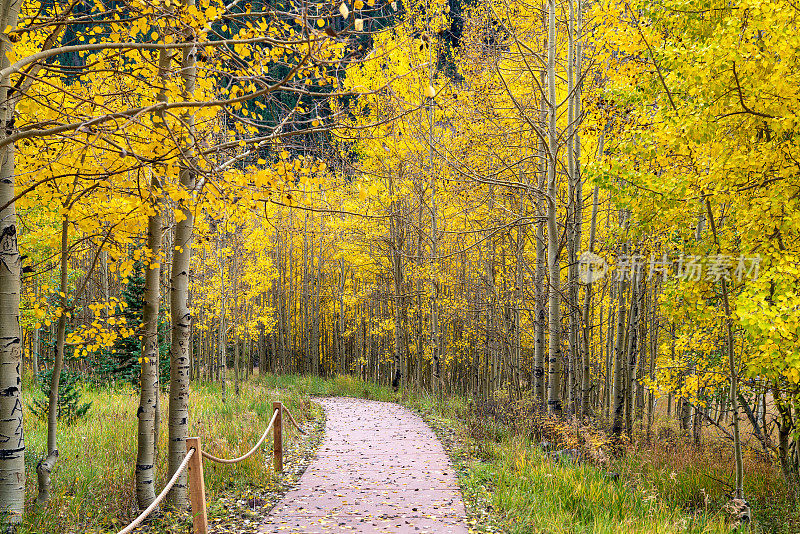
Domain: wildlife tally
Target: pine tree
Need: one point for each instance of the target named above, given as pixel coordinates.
(120, 363)
(70, 406)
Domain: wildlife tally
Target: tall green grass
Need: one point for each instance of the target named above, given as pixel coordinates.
(93, 483)
(340, 385)
(535, 494)
(700, 479)
(663, 488)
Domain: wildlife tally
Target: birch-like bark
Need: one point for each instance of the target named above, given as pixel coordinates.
(609, 347)
(149, 387)
(554, 326)
(180, 313)
(306, 316)
(618, 389)
(222, 354)
(315, 327)
(237, 311)
(435, 341)
(734, 390)
(540, 293)
(46, 465)
(396, 240)
(519, 295)
(572, 214)
(587, 327)
(631, 351)
(149, 412)
(12, 446)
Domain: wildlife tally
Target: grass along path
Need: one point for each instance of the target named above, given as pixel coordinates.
(93, 483)
(508, 483)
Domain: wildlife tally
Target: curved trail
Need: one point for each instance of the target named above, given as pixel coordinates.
(380, 468)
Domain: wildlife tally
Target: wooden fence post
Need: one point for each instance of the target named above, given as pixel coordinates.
(197, 488)
(277, 441)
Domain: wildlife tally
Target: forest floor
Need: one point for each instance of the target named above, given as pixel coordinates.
(509, 465)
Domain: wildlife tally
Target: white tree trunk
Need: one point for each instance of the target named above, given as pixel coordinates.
(12, 446)
(554, 351)
(148, 402)
(181, 315)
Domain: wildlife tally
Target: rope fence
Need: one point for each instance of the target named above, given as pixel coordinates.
(147, 511)
(194, 462)
(248, 454)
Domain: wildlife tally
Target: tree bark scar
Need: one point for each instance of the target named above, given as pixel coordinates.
(9, 391)
(7, 454)
(17, 407)
(11, 230)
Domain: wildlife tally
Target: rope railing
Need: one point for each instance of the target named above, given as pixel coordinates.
(194, 462)
(248, 454)
(291, 418)
(149, 510)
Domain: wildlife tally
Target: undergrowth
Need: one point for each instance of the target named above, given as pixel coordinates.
(556, 475)
(93, 482)
(520, 472)
(543, 475)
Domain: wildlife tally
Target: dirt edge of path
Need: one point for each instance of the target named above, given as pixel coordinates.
(481, 514)
(237, 513)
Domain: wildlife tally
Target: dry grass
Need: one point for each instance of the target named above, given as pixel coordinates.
(537, 466)
(93, 483)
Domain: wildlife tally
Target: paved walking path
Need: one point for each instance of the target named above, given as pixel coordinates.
(380, 468)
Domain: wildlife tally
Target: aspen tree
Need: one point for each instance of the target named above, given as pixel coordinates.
(541, 295)
(738, 485)
(572, 213)
(148, 381)
(587, 326)
(12, 449)
(180, 314)
(46, 465)
(554, 267)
